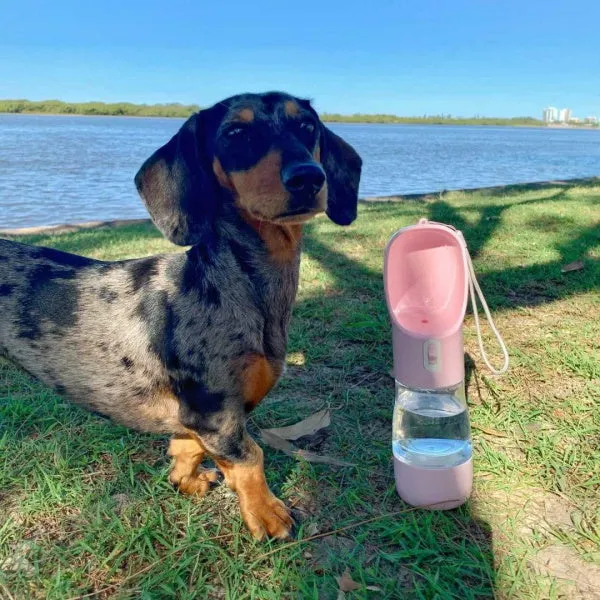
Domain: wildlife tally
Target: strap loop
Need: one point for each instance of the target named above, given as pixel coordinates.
(474, 285)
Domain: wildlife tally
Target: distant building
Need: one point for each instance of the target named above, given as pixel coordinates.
(550, 114)
(592, 120)
(564, 115)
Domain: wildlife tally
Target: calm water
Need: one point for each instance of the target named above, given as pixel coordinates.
(71, 169)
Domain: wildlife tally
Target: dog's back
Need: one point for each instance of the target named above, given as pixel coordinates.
(36, 290)
(70, 321)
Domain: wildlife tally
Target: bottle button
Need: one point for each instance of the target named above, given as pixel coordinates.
(432, 356)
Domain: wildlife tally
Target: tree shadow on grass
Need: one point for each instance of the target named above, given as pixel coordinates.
(435, 553)
(363, 300)
(529, 285)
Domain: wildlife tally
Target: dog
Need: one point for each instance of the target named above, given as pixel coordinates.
(188, 343)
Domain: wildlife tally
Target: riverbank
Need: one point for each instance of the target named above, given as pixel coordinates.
(93, 498)
(58, 107)
(498, 190)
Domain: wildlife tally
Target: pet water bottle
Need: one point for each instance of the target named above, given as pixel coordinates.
(427, 278)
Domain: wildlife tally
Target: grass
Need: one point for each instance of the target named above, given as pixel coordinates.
(86, 509)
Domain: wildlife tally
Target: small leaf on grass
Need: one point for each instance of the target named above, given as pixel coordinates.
(308, 426)
(346, 583)
(279, 443)
(573, 266)
(276, 442)
(312, 529)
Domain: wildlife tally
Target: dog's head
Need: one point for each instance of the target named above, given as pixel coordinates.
(268, 155)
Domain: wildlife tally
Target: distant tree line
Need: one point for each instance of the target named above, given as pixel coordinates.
(58, 107)
(430, 120)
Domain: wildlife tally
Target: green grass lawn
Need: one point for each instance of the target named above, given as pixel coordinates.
(86, 510)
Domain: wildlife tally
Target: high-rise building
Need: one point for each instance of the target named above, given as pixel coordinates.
(550, 114)
(564, 115)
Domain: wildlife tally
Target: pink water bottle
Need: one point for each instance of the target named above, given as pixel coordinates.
(426, 280)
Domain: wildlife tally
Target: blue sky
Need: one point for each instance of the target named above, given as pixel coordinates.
(495, 58)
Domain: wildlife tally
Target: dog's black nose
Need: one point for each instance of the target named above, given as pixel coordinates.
(303, 178)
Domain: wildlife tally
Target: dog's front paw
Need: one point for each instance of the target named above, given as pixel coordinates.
(197, 484)
(267, 516)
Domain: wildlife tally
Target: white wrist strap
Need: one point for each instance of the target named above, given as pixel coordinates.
(473, 283)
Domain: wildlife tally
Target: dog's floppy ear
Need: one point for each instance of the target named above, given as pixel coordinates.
(342, 166)
(178, 186)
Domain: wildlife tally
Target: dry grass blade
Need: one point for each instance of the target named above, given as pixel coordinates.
(288, 448)
(9, 596)
(576, 265)
(345, 528)
(308, 426)
(488, 431)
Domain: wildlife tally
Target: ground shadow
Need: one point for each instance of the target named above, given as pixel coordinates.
(366, 285)
(528, 285)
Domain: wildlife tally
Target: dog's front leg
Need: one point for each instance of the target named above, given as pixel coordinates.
(240, 459)
(186, 473)
(262, 511)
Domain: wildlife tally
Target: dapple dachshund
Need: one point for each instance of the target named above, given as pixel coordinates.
(188, 343)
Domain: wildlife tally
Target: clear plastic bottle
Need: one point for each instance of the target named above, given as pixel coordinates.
(431, 427)
(431, 444)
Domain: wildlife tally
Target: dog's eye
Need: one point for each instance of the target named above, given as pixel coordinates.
(233, 131)
(307, 126)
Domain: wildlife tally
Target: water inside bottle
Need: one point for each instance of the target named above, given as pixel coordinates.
(431, 429)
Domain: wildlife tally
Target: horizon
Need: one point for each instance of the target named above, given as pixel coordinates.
(461, 59)
(202, 106)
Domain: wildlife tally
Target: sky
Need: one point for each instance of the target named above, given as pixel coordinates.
(462, 57)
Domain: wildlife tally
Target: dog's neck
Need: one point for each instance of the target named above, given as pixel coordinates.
(283, 242)
(270, 255)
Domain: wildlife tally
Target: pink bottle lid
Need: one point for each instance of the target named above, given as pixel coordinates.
(426, 289)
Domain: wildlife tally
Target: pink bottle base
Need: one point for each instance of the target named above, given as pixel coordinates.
(435, 489)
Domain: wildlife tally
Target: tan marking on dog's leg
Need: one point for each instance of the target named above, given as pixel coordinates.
(262, 511)
(186, 473)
